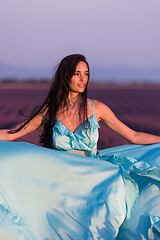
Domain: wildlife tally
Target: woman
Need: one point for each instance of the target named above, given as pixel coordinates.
(64, 194)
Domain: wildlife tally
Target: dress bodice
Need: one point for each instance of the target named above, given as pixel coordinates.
(84, 138)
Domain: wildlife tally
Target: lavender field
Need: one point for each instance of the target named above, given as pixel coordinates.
(136, 106)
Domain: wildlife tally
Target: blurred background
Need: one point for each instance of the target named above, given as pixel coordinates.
(120, 40)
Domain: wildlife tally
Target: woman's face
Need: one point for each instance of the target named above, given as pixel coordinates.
(79, 80)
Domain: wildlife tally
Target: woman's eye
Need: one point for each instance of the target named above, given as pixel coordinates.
(87, 74)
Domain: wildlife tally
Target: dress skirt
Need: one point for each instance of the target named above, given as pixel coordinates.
(48, 194)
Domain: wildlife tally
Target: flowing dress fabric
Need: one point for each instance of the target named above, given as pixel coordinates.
(48, 194)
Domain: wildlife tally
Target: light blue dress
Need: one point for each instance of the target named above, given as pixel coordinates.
(50, 194)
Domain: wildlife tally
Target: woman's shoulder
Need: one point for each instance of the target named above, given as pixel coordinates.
(98, 104)
(99, 108)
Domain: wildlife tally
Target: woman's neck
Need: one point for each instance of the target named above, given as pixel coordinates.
(73, 98)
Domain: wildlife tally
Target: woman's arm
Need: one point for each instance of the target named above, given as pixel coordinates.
(29, 127)
(104, 114)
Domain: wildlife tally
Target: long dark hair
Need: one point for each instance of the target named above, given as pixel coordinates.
(57, 96)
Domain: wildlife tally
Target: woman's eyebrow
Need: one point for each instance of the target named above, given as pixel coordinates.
(80, 71)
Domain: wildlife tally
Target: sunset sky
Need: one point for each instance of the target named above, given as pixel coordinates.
(39, 33)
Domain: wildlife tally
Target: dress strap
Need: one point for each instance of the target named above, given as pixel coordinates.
(92, 106)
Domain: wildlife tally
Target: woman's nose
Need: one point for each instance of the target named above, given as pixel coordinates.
(82, 77)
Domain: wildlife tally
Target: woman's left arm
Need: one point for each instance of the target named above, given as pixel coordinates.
(104, 114)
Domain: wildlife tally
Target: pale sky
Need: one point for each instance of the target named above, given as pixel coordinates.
(39, 33)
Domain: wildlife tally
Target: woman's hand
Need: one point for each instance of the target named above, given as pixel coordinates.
(29, 127)
(4, 135)
(104, 114)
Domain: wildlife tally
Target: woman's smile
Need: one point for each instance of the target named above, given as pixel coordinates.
(82, 85)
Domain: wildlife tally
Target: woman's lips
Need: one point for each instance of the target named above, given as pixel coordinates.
(81, 85)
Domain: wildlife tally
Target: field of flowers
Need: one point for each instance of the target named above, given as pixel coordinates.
(138, 107)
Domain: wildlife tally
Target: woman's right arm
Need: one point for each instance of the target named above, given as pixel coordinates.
(29, 127)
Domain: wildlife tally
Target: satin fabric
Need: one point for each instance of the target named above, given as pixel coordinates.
(49, 194)
(84, 138)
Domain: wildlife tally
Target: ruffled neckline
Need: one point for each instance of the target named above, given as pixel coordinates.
(63, 130)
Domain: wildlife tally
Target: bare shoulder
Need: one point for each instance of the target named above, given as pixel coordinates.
(99, 106)
(99, 109)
